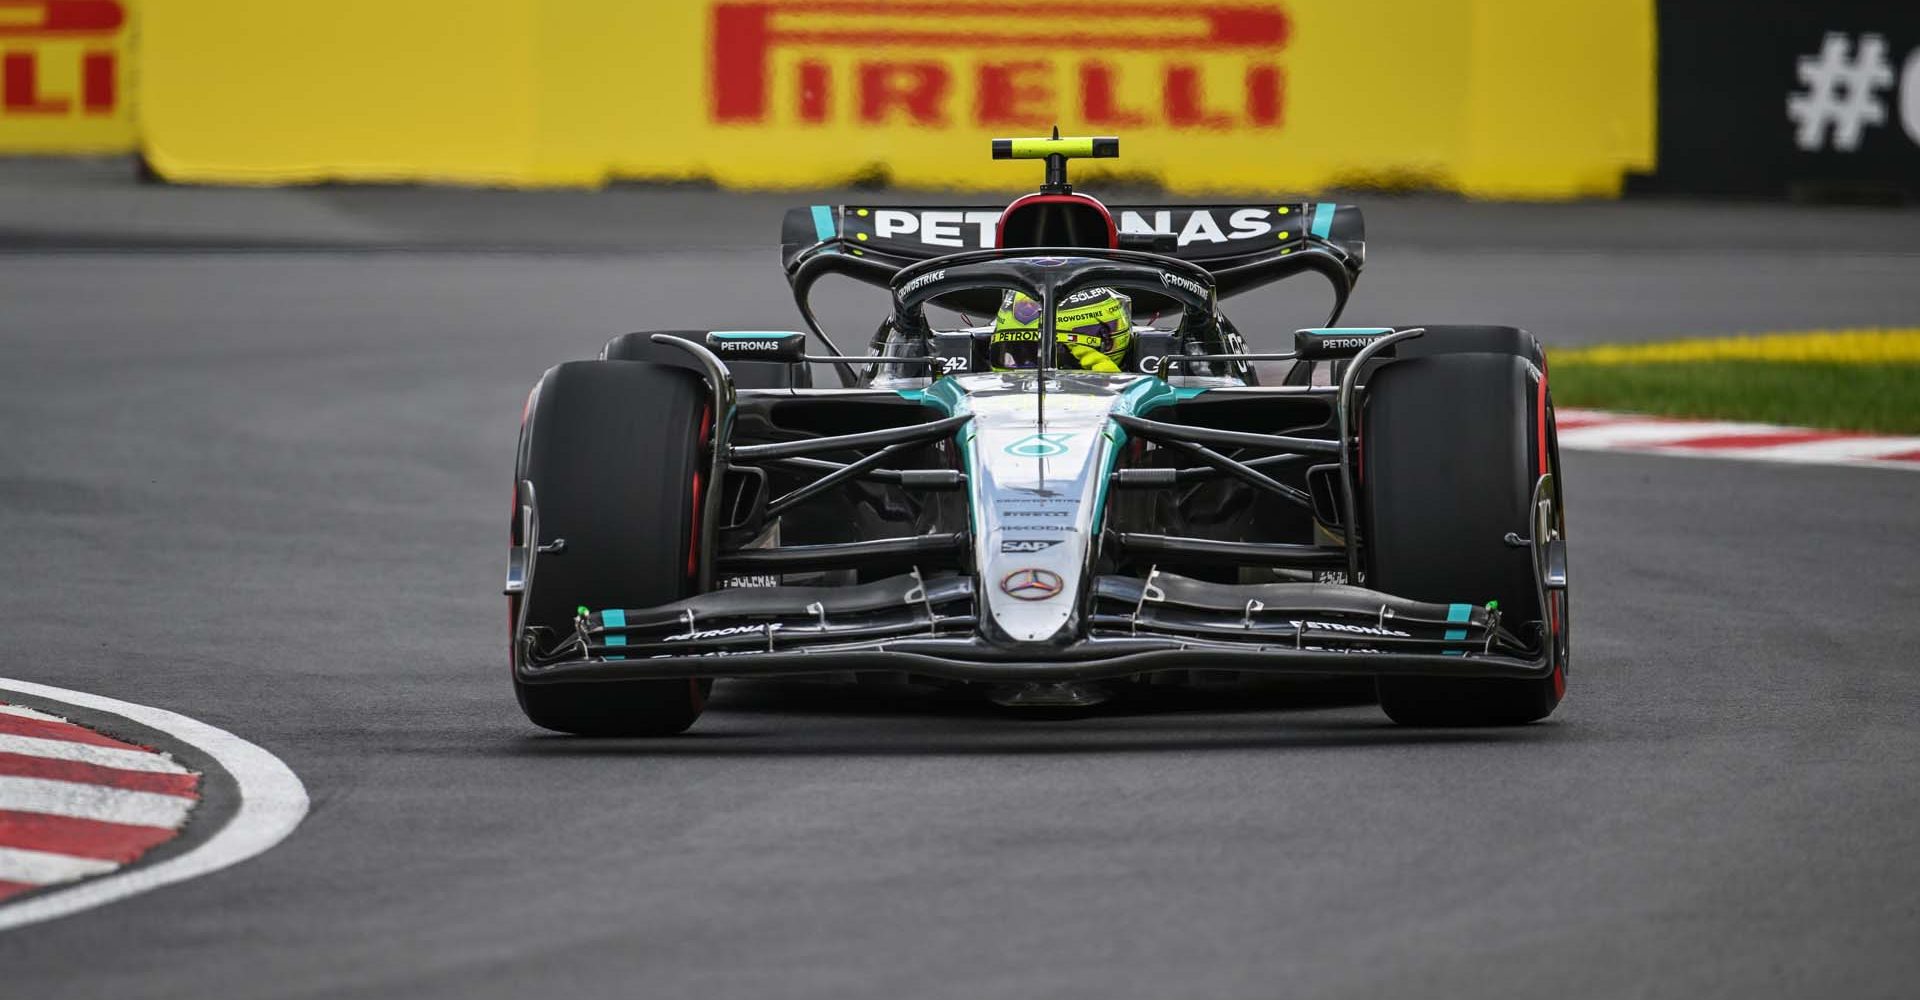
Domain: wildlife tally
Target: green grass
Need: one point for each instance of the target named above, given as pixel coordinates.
(1883, 398)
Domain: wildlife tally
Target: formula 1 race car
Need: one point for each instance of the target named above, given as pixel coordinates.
(980, 504)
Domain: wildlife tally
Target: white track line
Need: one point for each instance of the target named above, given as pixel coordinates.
(272, 804)
(87, 753)
(99, 803)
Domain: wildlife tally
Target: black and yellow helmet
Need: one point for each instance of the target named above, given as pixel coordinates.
(1094, 326)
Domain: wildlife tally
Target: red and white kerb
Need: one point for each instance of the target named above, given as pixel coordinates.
(75, 804)
(1595, 430)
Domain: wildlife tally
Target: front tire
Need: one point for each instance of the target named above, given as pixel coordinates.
(614, 451)
(1452, 446)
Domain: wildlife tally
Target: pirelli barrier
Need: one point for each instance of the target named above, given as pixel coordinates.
(64, 76)
(1506, 98)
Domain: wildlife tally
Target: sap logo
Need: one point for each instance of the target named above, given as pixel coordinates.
(1142, 67)
(1027, 544)
(1200, 227)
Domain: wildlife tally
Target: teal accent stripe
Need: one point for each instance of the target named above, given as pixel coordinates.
(823, 222)
(1346, 331)
(1457, 613)
(946, 396)
(748, 334)
(1142, 395)
(1322, 219)
(614, 619)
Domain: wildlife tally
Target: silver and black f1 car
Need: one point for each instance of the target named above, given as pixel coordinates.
(1377, 501)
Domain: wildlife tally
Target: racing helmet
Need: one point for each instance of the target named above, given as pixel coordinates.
(1095, 326)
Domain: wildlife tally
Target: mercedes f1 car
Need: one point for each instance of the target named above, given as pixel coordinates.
(1379, 501)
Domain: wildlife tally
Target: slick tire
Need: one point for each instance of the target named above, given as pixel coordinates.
(1451, 446)
(746, 374)
(614, 452)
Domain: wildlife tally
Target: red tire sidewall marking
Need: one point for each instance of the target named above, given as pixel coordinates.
(698, 697)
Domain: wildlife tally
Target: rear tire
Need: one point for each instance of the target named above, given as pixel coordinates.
(613, 449)
(1452, 446)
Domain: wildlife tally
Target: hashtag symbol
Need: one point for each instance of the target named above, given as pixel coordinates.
(1842, 93)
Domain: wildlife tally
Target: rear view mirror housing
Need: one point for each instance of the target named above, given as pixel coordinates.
(1320, 343)
(758, 345)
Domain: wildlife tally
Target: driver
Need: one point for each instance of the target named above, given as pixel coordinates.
(1094, 326)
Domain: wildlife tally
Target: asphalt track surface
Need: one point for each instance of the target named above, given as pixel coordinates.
(269, 489)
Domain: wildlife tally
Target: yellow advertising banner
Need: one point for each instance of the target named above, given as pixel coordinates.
(64, 80)
(1490, 97)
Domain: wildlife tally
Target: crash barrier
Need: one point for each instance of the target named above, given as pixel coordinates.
(1784, 97)
(1491, 97)
(64, 75)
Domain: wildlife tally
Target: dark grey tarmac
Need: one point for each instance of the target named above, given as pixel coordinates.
(269, 489)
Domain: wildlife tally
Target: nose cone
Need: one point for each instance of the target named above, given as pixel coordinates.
(1039, 486)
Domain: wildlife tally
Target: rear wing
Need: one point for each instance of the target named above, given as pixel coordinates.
(1244, 246)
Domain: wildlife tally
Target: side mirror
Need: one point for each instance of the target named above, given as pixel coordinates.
(1318, 343)
(758, 345)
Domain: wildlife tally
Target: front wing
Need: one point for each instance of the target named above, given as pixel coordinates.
(1131, 626)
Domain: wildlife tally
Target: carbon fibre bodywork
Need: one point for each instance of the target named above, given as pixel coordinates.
(1014, 546)
(1048, 526)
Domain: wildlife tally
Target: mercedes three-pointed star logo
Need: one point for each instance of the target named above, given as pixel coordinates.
(1032, 584)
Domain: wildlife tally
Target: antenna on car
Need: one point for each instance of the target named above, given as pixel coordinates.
(1041, 371)
(1057, 151)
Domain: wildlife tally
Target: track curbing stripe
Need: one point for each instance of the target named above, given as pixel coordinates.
(100, 803)
(59, 729)
(87, 753)
(23, 766)
(19, 864)
(81, 838)
(1599, 430)
(272, 802)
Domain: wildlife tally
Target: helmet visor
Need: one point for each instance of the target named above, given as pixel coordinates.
(1088, 326)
